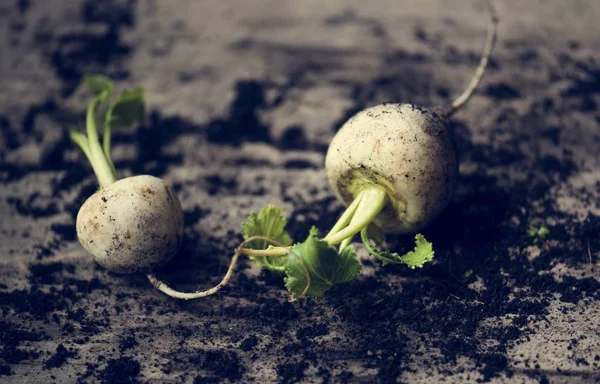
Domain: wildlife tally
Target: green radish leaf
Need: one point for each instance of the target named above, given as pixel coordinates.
(99, 84)
(268, 222)
(537, 232)
(313, 267)
(423, 252)
(348, 257)
(127, 109)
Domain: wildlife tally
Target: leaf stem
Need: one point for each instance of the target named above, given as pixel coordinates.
(354, 221)
(371, 203)
(102, 166)
(269, 252)
(82, 142)
(346, 217)
(106, 138)
(346, 242)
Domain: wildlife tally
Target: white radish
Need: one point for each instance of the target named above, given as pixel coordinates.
(404, 150)
(398, 161)
(133, 224)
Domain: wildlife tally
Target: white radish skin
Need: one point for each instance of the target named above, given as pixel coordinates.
(407, 151)
(132, 225)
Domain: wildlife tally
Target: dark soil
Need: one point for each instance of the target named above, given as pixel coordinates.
(121, 370)
(60, 357)
(380, 325)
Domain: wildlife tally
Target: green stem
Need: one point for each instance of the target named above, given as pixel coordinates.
(106, 139)
(269, 252)
(355, 219)
(81, 141)
(346, 242)
(99, 161)
(346, 217)
(372, 201)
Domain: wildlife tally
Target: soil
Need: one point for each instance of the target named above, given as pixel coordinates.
(242, 103)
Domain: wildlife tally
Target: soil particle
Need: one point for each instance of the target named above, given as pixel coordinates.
(11, 338)
(60, 357)
(127, 342)
(293, 138)
(312, 331)
(221, 364)
(249, 343)
(122, 370)
(72, 55)
(5, 370)
(502, 91)
(243, 122)
(291, 372)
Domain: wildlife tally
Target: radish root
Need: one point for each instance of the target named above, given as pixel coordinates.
(483, 63)
(240, 250)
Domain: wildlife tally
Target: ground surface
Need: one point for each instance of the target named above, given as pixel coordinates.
(244, 98)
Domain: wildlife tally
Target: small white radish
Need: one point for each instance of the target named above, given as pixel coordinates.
(133, 224)
(397, 162)
(406, 151)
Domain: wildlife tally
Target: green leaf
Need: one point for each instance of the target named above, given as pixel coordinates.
(313, 267)
(423, 253)
(127, 109)
(416, 258)
(269, 222)
(537, 232)
(99, 84)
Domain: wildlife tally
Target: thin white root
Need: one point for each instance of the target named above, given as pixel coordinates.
(476, 79)
(164, 288)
